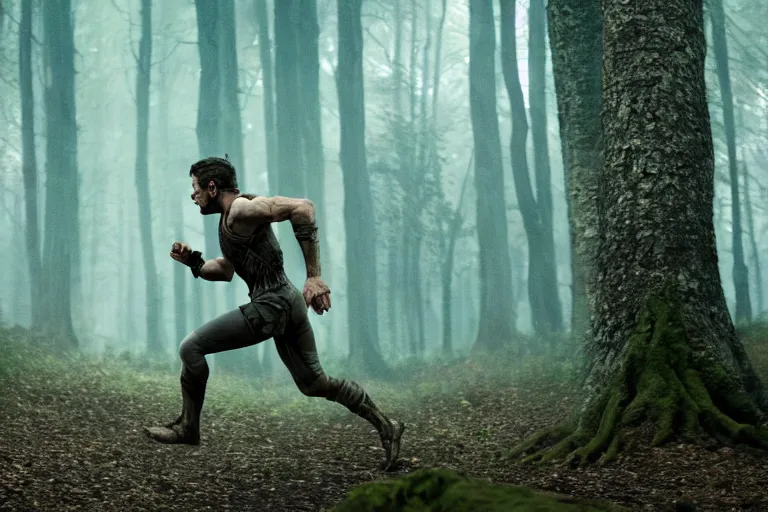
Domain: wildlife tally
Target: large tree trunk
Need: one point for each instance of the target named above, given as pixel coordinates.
(667, 363)
(497, 314)
(548, 292)
(575, 34)
(743, 311)
(29, 158)
(143, 74)
(62, 197)
(358, 203)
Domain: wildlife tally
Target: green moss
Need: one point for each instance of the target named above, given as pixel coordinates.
(438, 490)
(660, 386)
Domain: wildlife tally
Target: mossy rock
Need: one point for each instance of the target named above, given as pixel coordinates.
(442, 490)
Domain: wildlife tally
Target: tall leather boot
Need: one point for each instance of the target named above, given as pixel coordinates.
(351, 395)
(186, 428)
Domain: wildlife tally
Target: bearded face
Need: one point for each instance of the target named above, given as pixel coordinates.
(205, 198)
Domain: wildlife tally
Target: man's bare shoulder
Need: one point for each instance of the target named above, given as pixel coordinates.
(269, 209)
(242, 206)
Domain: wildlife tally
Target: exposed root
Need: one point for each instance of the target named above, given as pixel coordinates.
(660, 394)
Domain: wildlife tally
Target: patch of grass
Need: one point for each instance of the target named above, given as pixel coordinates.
(24, 357)
(755, 339)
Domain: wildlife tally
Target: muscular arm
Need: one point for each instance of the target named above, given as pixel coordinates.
(250, 213)
(217, 269)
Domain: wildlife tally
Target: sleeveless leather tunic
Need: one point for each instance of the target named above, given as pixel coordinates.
(257, 258)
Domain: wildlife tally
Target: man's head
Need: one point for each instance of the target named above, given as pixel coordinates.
(212, 177)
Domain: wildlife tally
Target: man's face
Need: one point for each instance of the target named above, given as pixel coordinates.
(204, 197)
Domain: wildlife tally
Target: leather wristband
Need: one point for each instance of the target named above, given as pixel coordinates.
(306, 233)
(195, 263)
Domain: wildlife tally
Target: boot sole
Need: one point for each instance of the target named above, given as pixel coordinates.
(178, 440)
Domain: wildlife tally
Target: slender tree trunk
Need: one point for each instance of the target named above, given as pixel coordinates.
(312, 132)
(244, 361)
(497, 315)
(29, 158)
(552, 314)
(231, 133)
(410, 174)
(208, 127)
(425, 136)
(290, 160)
(267, 80)
(452, 234)
(743, 311)
(358, 203)
(268, 91)
(438, 65)
(62, 195)
(575, 34)
(180, 274)
(143, 79)
(541, 265)
(753, 240)
(396, 268)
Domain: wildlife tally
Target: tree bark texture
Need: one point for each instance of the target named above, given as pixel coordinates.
(575, 35)
(29, 159)
(358, 203)
(666, 362)
(143, 77)
(497, 316)
(743, 311)
(62, 191)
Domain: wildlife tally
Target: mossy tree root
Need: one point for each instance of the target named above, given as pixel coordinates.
(660, 393)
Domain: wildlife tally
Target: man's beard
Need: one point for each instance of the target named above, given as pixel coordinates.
(210, 208)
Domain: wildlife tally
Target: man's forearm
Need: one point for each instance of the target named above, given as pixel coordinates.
(305, 230)
(311, 251)
(214, 270)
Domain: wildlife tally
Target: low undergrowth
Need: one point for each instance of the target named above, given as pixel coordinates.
(72, 440)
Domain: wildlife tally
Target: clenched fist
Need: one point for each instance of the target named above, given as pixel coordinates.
(181, 252)
(317, 295)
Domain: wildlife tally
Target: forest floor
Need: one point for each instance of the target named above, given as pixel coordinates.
(71, 439)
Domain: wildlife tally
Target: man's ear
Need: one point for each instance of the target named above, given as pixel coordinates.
(211, 187)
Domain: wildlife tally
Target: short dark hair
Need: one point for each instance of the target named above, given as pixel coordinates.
(219, 170)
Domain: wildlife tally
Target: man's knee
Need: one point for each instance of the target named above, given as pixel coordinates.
(318, 388)
(190, 350)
